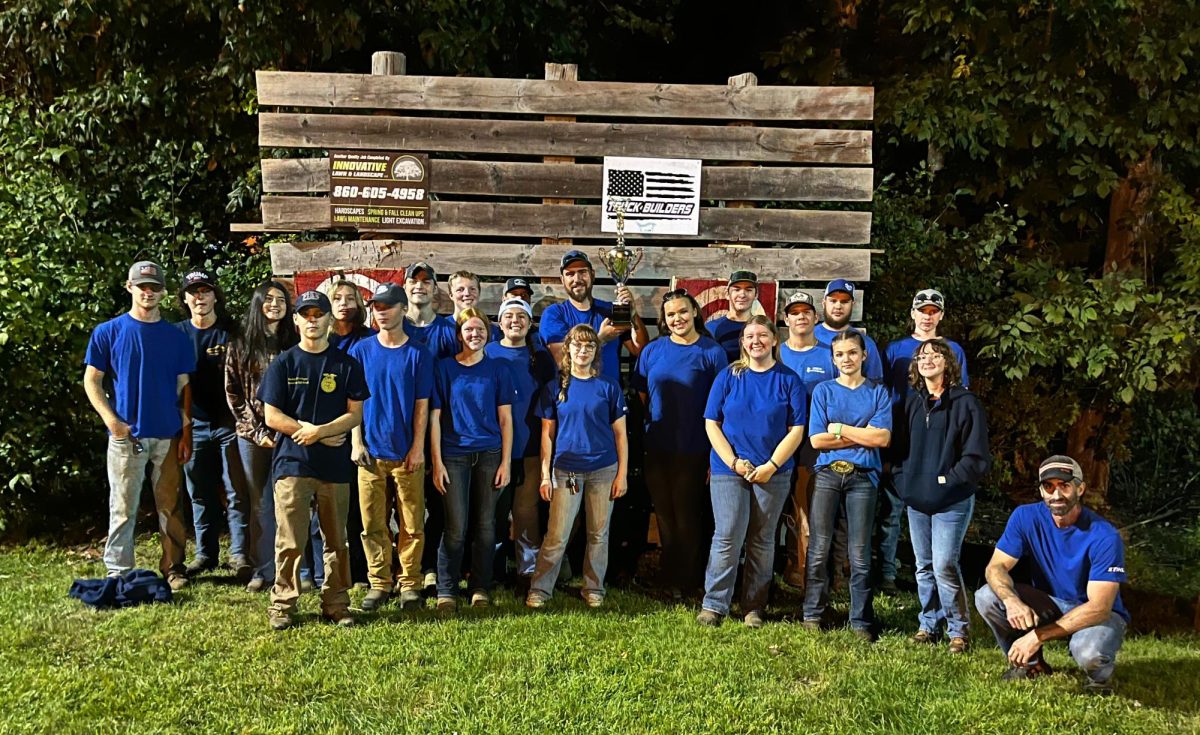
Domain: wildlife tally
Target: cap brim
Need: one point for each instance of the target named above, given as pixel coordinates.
(1056, 474)
(788, 309)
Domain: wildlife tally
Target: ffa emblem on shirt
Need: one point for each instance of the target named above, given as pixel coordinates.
(329, 382)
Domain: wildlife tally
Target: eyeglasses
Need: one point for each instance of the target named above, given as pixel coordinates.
(930, 357)
(678, 293)
(584, 346)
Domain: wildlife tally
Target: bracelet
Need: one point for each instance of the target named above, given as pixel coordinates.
(772, 461)
(733, 466)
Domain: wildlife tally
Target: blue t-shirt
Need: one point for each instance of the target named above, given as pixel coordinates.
(469, 397)
(208, 381)
(866, 405)
(814, 365)
(439, 336)
(872, 367)
(528, 375)
(756, 410)
(1066, 559)
(728, 334)
(397, 377)
(558, 319)
(346, 341)
(144, 361)
(676, 379)
(898, 357)
(584, 440)
(312, 387)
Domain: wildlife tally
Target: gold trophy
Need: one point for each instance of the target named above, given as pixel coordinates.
(621, 262)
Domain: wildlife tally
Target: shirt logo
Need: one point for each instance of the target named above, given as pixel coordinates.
(329, 382)
(1116, 570)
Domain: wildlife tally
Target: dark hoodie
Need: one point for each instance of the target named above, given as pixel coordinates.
(939, 449)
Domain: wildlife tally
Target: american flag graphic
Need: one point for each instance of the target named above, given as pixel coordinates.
(656, 184)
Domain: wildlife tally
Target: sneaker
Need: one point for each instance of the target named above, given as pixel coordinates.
(958, 644)
(446, 605)
(1022, 673)
(375, 599)
(863, 634)
(812, 626)
(753, 619)
(593, 599)
(709, 618)
(410, 599)
(888, 588)
(280, 621)
(924, 637)
(479, 598)
(198, 565)
(242, 571)
(430, 580)
(340, 618)
(306, 585)
(536, 600)
(258, 584)
(1098, 688)
(176, 581)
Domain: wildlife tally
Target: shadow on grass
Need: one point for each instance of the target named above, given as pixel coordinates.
(1169, 684)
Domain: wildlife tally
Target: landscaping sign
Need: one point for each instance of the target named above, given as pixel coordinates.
(375, 190)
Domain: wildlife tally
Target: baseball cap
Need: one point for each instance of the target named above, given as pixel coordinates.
(839, 284)
(147, 271)
(313, 298)
(743, 276)
(513, 284)
(515, 304)
(929, 297)
(799, 298)
(571, 256)
(198, 278)
(419, 267)
(389, 294)
(1060, 467)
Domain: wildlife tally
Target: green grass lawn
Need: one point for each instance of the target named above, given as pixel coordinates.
(209, 663)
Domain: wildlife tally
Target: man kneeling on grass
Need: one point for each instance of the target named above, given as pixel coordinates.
(1078, 566)
(312, 395)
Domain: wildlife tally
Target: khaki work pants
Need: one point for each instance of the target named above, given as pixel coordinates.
(376, 537)
(293, 504)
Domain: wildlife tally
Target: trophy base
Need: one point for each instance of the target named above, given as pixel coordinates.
(622, 316)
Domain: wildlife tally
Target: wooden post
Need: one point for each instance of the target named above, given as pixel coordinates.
(388, 63)
(563, 73)
(740, 81)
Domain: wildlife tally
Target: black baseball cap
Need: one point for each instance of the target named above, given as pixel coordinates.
(1060, 467)
(315, 298)
(198, 277)
(800, 298)
(513, 284)
(572, 256)
(420, 267)
(743, 277)
(389, 294)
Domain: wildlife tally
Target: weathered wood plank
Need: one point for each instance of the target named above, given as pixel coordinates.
(584, 180)
(542, 138)
(542, 97)
(542, 261)
(294, 214)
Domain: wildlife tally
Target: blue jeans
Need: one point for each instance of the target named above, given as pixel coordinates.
(1094, 649)
(471, 493)
(744, 514)
(859, 494)
(889, 527)
(260, 508)
(595, 489)
(937, 543)
(215, 464)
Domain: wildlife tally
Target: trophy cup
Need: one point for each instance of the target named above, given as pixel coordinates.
(621, 262)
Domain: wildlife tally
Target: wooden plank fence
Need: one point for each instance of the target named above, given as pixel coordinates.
(515, 173)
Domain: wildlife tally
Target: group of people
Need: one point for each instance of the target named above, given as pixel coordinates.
(443, 427)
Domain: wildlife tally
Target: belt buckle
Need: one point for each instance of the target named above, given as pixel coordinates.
(842, 467)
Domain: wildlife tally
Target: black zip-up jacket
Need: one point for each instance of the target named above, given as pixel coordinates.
(939, 449)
